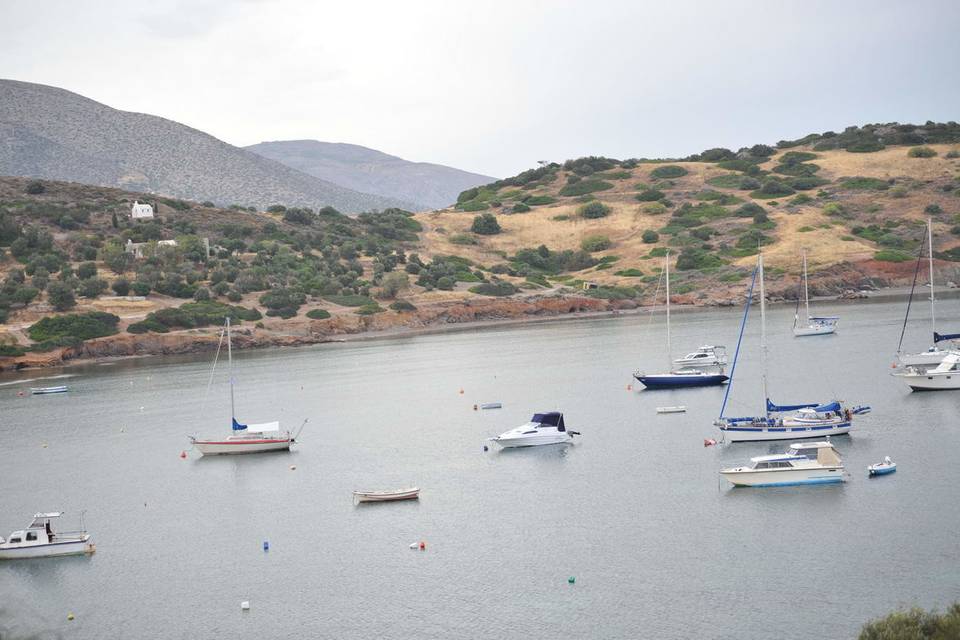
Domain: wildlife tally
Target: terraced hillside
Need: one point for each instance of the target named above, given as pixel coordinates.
(858, 212)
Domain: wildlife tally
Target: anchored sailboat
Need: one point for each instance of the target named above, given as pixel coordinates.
(780, 422)
(685, 377)
(816, 325)
(933, 356)
(244, 438)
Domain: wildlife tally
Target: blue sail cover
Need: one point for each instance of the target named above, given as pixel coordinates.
(946, 336)
(776, 408)
(237, 426)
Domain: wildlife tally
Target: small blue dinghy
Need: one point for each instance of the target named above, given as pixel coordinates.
(886, 467)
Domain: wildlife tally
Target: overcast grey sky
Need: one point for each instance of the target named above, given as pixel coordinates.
(495, 86)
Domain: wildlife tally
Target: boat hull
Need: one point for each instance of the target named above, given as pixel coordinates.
(884, 470)
(814, 330)
(932, 382)
(533, 440)
(749, 433)
(385, 496)
(672, 381)
(43, 391)
(226, 447)
(75, 547)
(784, 477)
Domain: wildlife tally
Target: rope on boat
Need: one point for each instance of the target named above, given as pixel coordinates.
(916, 274)
(736, 354)
(213, 370)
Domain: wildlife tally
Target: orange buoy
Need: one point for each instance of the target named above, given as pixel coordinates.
(461, 391)
(423, 546)
(183, 454)
(629, 387)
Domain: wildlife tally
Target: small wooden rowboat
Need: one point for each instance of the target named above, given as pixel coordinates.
(679, 409)
(386, 496)
(39, 391)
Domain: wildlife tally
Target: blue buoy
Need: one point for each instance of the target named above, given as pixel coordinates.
(266, 545)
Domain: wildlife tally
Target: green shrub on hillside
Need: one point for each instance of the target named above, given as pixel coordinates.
(497, 288)
(629, 273)
(863, 183)
(669, 171)
(485, 224)
(772, 189)
(658, 252)
(35, 188)
(318, 314)
(402, 306)
(892, 255)
(472, 206)
(535, 201)
(864, 146)
(915, 624)
(805, 183)
(193, 314)
(520, 207)
(654, 208)
(694, 258)
(922, 152)
(650, 237)
(584, 187)
(349, 300)
(60, 296)
(727, 181)
(613, 175)
(650, 195)
(801, 169)
(594, 210)
(81, 326)
(463, 238)
(543, 260)
(592, 244)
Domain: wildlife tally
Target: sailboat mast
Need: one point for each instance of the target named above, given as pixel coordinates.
(933, 320)
(763, 336)
(806, 289)
(666, 266)
(230, 371)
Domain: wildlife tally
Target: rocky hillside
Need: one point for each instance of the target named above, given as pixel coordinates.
(50, 133)
(856, 201)
(428, 186)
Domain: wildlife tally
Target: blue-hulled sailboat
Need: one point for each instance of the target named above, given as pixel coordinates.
(686, 377)
(780, 422)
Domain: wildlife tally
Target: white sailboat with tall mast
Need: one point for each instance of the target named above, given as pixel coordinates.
(780, 422)
(933, 356)
(816, 325)
(686, 376)
(244, 438)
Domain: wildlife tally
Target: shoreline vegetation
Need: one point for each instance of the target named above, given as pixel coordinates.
(448, 318)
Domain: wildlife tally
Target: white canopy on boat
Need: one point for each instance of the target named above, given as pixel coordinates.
(949, 361)
(264, 427)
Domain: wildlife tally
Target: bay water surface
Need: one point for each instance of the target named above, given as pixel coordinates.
(634, 510)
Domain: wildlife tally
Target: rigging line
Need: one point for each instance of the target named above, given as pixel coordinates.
(736, 354)
(653, 308)
(916, 273)
(213, 370)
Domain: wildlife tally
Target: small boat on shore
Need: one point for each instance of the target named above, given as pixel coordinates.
(387, 496)
(39, 540)
(806, 463)
(886, 467)
(40, 391)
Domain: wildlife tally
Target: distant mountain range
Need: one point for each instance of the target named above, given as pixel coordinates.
(47, 132)
(431, 186)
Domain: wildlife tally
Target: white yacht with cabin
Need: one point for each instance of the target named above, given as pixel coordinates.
(39, 540)
(543, 428)
(705, 356)
(945, 376)
(806, 463)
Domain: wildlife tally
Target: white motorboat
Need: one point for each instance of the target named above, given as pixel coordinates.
(674, 409)
(39, 540)
(705, 356)
(934, 355)
(387, 496)
(886, 467)
(543, 428)
(244, 438)
(807, 463)
(816, 325)
(946, 375)
(781, 422)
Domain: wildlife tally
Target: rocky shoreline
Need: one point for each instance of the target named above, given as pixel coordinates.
(438, 317)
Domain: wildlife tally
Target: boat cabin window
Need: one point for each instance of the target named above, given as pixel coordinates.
(762, 465)
(14, 540)
(31, 536)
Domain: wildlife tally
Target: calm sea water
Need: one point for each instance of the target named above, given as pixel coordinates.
(634, 510)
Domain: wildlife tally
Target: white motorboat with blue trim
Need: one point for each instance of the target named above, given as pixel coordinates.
(804, 463)
(38, 540)
(816, 325)
(780, 422)
(886, 467)
(244, 438)
(946, 375)
(543, 428)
